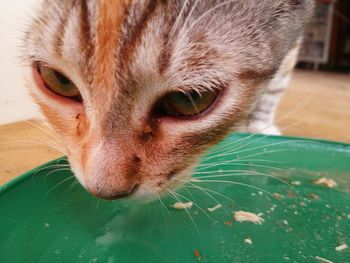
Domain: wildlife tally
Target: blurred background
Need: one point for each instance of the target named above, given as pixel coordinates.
(15, 105)
(321, 83)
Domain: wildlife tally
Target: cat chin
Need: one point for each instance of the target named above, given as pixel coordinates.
(152, 190)
(146, 195)
(79, 177)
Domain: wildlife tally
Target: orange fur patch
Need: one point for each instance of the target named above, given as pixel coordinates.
(111, 14)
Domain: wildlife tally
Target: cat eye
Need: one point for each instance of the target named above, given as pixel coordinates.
(58, 83)
(186, 104)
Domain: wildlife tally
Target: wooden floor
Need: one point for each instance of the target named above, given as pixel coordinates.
(326, 113)
(324, 100)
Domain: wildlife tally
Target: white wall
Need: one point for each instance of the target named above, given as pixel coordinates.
(15, 104)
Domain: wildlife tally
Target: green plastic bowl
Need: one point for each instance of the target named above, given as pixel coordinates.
(47, 217)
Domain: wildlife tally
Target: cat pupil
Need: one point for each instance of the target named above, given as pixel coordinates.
(187, 99)
(62, 79)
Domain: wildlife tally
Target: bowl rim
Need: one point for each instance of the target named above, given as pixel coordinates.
(330, 144)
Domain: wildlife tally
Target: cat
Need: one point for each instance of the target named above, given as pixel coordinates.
(139, 90)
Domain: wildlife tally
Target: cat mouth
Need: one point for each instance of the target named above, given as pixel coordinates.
(114, 196)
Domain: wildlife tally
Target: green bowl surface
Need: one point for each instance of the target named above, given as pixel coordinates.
(45, 216)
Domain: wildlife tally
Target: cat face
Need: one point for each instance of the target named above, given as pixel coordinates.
(139, 90)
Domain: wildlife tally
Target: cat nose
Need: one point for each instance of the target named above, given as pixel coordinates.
(109, 194)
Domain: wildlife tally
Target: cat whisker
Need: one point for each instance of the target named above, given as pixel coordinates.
(237, 162)
(69, 188)
(202, 189)
(220, 171)
(52, 145)
(248, 174)
(48, 132)
(52, 135)
(295, 109)
(97, 204)
(236, 150)
(242, 158)
(57, 170)
(261, 153)
(265, 136)
(51, 166)
(57, 185)
(162, 206)
(183, 34)
(192, 102)
(188, 17)
(239, 159)
(196, 205)
(264, 147)
(177, 21)
(244, 173)
(285, 116)
(162, 203)
(189, 215)
(190, 194)
(223, 173)
(251, 165)
(22, 141)
(235, 183)
(253, 141)
(30, 142)
(274, 144)
(210, 191)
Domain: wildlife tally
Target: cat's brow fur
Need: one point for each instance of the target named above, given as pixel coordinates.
(124, 55)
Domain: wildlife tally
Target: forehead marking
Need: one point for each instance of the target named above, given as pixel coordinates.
(110, 19)
(85, 29)
(136, 32)
(63, 21)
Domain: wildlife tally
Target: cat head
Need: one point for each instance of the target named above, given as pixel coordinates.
(139, 90)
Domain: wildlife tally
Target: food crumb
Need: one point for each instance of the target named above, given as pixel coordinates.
(272, 208)
(285, 222)
(290, 194)
(197, 254)
(314, 196)
(330, 183)
(260, 193)
(278, 196)
(228, 223)
(296, 183)
(248, 241)
(180, 206)
(242, 216)
(341, 247)
(212, 209)
(323, 260)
